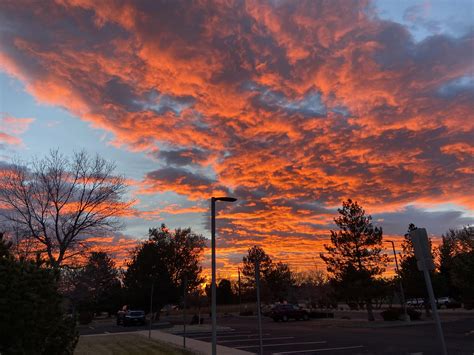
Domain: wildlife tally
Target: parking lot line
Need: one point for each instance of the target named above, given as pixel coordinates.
(318, 350)
(229, 336)
(283, 344)
(204, 333)
(244, 340)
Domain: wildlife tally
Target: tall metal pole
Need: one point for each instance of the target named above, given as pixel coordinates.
(185, 287)
(402, 292)
(434, 307)
(213, 265)
(213, 277)
(259, 315)
(151, 307)
(240, 294)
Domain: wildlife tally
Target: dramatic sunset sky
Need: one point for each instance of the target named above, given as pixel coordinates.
(290, 106)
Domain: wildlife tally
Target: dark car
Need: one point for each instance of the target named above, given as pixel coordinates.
(284, 312)
(131, 318)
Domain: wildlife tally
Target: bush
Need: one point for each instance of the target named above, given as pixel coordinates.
(414, 314)
(393, 314)
(32, 319)
(85, 317)
(314, 314)
(64, 338)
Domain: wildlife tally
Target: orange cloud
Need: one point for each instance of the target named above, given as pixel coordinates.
(289, 106)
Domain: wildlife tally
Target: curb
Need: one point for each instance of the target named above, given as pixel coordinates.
(178, 329)
(200, 347)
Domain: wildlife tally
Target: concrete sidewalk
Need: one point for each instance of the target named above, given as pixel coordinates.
(192, 329)
(197, 346)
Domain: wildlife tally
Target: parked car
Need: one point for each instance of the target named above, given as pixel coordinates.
(415, 302)
(448, 302)
(266, 310)
(284, 312)
(131, 318)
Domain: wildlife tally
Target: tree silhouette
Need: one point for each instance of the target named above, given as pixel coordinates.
(59, 201)
(225, 295)
(456, 254)
(276, 279)
(255, 254)
(279, 281)
(412, 278)
(164, 261)
(32, 320)
(354, 257)
(97, 287)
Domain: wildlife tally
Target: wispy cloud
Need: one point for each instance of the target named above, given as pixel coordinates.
(11, 128)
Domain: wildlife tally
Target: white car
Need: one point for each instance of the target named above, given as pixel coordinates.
(415, 302)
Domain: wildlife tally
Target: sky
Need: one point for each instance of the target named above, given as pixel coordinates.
(289, 106)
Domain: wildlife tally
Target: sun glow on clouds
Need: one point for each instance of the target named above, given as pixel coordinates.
(291, 106)
(11, 128)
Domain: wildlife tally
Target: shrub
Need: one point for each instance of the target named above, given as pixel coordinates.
(414, 314)
(314, 314)
(393, 314)
(32, 319)
(85, 317)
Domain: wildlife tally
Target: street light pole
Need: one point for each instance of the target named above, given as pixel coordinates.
(402, 292)
(151, 307)
(240, 294)
(213, 277)
(213, 266)
(259, 314)
(185, 288)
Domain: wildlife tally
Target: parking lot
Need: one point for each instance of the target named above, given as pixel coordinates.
(275, 343)
(336, 337)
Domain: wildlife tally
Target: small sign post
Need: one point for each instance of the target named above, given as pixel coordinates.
(425, 263)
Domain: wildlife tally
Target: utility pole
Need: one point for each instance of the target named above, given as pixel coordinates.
(213, 277)
(213, 267)
(151, 306)
(259, 315)
(425, 263)
(402, 292)
(240, 294)
(185, 287)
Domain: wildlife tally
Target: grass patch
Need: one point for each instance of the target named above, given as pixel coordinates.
(125, 344)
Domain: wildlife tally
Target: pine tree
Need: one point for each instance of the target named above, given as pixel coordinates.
(96, 286)
(32, 320)
(354, 258)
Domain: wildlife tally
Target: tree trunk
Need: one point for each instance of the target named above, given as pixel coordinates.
(370, 313)
(427, 308)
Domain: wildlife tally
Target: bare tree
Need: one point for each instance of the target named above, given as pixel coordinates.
(58, 202)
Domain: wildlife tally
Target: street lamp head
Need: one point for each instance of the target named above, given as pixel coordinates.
(226, 199)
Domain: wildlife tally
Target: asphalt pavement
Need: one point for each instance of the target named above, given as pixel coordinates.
(318, 336)
(330, 336)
